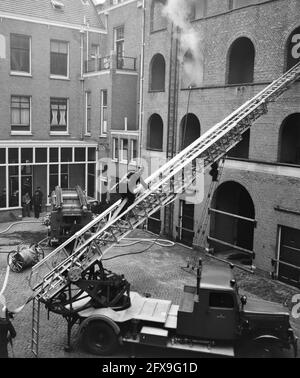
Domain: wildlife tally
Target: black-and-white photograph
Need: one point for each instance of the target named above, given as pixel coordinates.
(149, 182)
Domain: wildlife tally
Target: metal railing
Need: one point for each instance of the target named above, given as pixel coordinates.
(97, 64)
(127, 63)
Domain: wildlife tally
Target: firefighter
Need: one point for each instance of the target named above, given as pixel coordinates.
(37, 202)
(133, 179)
(214, 172)
(7, 330)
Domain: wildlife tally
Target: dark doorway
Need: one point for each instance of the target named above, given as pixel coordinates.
(289, 244)
(186, 223)
(154, 223)
(241, 62)
(231, 200)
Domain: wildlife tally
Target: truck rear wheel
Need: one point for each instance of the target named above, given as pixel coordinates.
(99, 338)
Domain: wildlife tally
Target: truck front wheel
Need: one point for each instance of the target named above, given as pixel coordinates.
(99, 338)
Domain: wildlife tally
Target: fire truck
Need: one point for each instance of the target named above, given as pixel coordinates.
(212, 316)
(70, 212)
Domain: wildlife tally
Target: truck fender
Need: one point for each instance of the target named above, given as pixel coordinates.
(293, 340)
(266, 337)
(93, 318)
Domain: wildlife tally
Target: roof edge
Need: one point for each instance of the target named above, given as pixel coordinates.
(44, 21)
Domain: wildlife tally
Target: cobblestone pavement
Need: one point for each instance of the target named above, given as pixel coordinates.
(159, 271)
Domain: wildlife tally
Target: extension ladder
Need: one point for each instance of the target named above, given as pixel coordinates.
(50, 275)
(35, 329)
(205, 216)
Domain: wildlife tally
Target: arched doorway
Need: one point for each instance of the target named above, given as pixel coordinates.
(190, 129)
(241, 62)
(232, 222)
(289, 141)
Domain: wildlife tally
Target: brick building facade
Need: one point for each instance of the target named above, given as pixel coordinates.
(128, 96)
(48, 135)
(243, 46)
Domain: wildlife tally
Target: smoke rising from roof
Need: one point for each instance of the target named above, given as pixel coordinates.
(191, 47)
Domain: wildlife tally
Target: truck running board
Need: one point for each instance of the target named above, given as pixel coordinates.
(205, 348)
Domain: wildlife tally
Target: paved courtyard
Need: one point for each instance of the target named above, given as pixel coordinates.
(158, 270)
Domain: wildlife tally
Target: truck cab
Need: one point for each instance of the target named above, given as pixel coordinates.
(214, 310)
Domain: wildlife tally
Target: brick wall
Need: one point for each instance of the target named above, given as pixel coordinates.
(268, 25)
(40, 87)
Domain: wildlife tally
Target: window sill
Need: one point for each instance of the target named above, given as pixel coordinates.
(154, 149)
(158, 30)
(88, 134)
(11, 208)
(156, 90)
(21, 133)
(55, 77)
(20, 73)
(59, 133)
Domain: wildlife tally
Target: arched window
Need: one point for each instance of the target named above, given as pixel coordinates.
(241, 150)
(293, 49)
(241, 62)
(157, 19)
(2, 47)
(190, 130)
(190, 71)
(155, 133)
(289, 143)
(157, 73)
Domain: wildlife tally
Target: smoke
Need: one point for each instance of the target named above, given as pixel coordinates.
(179, 11)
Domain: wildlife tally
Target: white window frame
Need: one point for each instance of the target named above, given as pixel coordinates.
(119, 40)
(23, 132)
(122, 160)
(88, 110)
(103, 123)
(66, 132)
(22, 73)
(115, 143)
(61, 77)
(132, 159)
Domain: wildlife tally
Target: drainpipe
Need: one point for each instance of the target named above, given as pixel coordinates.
(141, 99)
(82, 79)
(87, 45)
(81, 53)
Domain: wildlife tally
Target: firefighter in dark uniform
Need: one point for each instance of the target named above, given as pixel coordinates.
(7, 332)
(37, 202)
(214, 172)
(133, 179)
